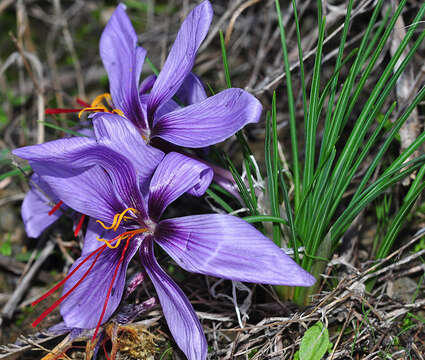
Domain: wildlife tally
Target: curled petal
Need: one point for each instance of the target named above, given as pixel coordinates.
(181, 58)
(228, 247)
(175, 175)
(181, 318)
(210, 121)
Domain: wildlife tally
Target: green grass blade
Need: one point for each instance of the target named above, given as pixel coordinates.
(290, 217)
(219, 200)
(14, 172)
(261, 218)
(225, 63)
(56, 127)
(291, 104)
(415, 191)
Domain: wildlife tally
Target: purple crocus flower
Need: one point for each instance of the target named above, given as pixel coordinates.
(99, 181)
(205, 121)
(42, 206)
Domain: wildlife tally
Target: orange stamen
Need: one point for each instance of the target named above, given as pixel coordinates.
(79, 225)
(122, 236)
(55, 208)
(99, 98)
(94, 109)
(117, 219)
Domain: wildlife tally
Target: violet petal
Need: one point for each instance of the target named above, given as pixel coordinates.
(123, 61)
(90, 178)
(181, 318)
(192, 90)
(181, 58)
(210, 121)
(83, 307)
(228, 247)
(119, 134)
(175, 175)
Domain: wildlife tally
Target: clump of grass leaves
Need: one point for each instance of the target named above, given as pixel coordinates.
(316, 216)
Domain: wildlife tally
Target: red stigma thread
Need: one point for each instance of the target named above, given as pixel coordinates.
(105, 304)
(55, 208)
(60, 111)
(57, 286)
(79, 225)
(82, 103)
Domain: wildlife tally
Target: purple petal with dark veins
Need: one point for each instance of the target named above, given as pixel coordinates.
(90, 178)
(181, 318)
(119, 134)
(228, 247)
(147, 84)
(83, 307)
(37, 205)
(181, 58)
(210, 121)
(94, 231)
(85, 189)
(166, 108)
(123, 61)
(175, 175)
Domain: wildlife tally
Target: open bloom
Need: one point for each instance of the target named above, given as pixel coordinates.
(150, 106)
(42, 206)
(98, 181)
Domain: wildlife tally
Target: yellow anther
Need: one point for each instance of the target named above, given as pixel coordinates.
(118, 218)
(98, 108)
(98, 105)
(108, 227)
(108, 244)
(98, 99)
(122, 216)
(118, 111)
(128, 234)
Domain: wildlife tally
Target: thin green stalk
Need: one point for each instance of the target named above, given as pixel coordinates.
(415, 190)
(152, 66)
(291, 105)
(290, 217)
(261, 218)
(219, 200)
(56, 127)
(225, 63)
(300, 58)
(313, 118)
(272, 159)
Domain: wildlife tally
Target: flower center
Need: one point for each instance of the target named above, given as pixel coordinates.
(118, 218)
